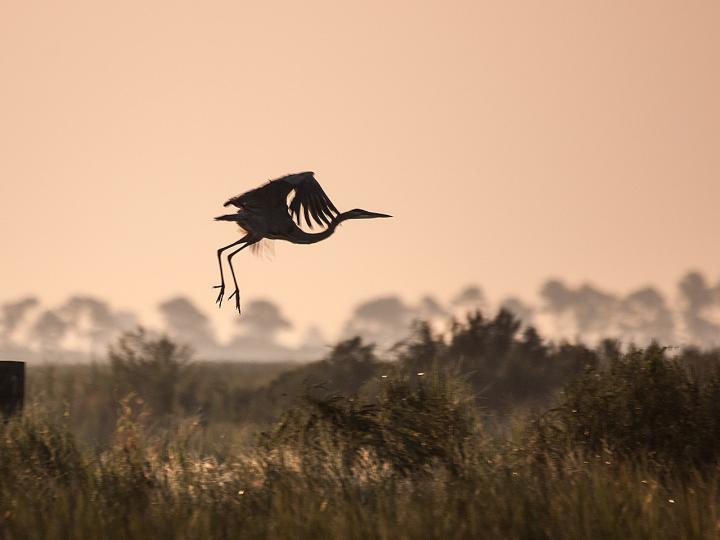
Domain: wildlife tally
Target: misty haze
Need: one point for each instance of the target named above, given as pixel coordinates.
(81, 328)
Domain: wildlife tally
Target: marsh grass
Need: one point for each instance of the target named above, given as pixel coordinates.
(628, 450)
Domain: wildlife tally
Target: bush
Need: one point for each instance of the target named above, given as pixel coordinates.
(413, 426)
(641, 403)
(151, 368)
(504, 367)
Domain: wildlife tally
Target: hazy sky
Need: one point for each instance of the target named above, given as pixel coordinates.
(513, 141)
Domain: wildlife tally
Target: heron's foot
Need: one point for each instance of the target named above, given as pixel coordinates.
(220, 296)
(236, 294)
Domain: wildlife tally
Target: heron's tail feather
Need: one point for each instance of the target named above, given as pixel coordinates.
(228, 217)
(265, 249)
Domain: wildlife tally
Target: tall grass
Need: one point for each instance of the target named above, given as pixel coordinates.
(627, 450)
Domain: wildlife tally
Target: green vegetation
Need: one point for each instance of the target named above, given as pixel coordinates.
(486, 433)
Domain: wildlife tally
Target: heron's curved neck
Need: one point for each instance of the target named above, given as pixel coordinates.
(302, 237)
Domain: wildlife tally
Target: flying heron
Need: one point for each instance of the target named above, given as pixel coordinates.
(264, 213)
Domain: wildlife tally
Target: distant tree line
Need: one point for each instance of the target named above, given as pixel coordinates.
(83, 326)
(500, 364)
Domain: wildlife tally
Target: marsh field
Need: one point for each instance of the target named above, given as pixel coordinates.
(489, 431)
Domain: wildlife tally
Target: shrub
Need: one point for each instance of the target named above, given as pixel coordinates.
(414, 426)
(151, 368)
(504, 366)
(642, 402)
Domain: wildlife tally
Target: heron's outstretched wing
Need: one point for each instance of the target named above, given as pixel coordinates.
(309, 197)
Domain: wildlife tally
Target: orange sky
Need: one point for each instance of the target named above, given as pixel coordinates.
(513, 141)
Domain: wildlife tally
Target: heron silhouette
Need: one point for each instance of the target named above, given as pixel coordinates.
(264, 213)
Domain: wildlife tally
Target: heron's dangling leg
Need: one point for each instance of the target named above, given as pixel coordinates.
(236, 293)
(222, 278)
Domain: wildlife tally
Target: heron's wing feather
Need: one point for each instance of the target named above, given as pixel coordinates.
(269, 195)
(312, 200)
(309, 198)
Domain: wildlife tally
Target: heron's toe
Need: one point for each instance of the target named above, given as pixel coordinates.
(219, 299)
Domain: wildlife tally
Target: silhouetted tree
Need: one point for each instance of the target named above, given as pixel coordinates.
(260, 324)
(183, 320)
(423, 350)
(13, 313)
(49, 329)
(697, 298)
(520, 309)
(262, 320)
(596, 310)
(429, 308)
(592, 313)
(382, 320)
(644, 317)
(470, 298)
(90, 318)
(558, 301)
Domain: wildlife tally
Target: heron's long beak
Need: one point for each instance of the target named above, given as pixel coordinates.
(374, 215)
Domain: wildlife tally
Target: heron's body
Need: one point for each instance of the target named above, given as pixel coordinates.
(264, 213)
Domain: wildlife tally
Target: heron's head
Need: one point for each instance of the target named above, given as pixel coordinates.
(357, 213)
